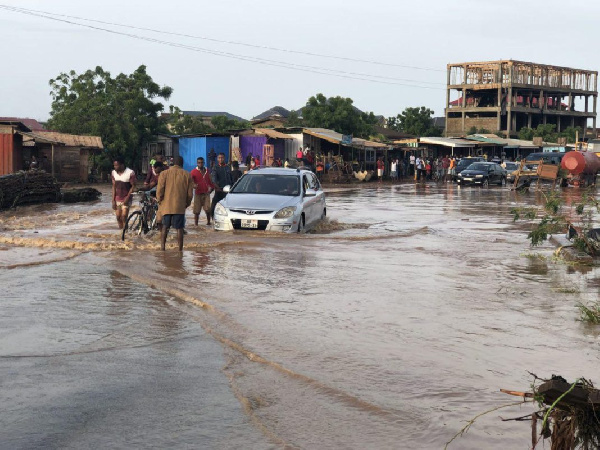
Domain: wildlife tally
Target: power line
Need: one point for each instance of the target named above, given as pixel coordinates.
(282, 64)
(263, 47)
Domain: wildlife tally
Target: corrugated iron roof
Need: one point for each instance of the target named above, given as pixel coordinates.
(269, 132)
(336, 138)
(74, 140)
(69, 140)
(447, 142)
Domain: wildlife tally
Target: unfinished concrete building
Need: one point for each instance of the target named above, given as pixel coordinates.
(509, 95)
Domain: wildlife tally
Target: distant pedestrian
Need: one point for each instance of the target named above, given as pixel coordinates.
(34, 164)
(380, 169)
(236, 173)
(286, 164)
(174, 192)
(249, 159)
(203, 186)
(452, 169)
(394, 169)
(412, 162)
(123, 184)
(221, 177)
(445, 167)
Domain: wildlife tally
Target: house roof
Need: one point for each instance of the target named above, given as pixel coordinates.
(336, 138)
(32, 124)
(69, 140)
(447, 142)
(493, 139)
(269, 132)
(212, 114)
(275, 111)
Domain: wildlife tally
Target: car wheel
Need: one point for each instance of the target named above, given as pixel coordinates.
(301, 224)
(485, 183)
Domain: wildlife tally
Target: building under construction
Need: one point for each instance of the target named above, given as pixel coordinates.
(509, 95)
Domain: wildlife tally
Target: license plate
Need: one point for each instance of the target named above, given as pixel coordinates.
(248, 223)
(468, 179)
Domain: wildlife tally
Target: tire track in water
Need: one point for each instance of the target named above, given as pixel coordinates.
(338, 394)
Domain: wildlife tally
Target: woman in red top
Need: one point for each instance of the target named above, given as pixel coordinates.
(380, 167)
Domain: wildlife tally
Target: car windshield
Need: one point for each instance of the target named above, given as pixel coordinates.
(479, 166)
(465, 163)
(268, 184)
(512, 166)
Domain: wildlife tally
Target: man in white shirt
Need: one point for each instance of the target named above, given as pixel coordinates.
(412, 165)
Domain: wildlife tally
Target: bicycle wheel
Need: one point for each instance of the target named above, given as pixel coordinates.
(134, 225)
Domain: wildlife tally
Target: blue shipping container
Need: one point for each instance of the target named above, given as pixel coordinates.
(191, 148)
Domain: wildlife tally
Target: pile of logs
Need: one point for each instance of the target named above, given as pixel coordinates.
(24, 188)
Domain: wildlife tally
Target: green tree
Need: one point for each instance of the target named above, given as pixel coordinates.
(121, 110)
(415, 120)
(294, 120)
(526, 134)
(223, 123)
(180, 123)
(337, 113)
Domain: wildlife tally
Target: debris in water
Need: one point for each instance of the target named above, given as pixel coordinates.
(80, 195)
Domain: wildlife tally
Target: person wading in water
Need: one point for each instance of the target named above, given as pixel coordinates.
(174, 192)
(123, 184)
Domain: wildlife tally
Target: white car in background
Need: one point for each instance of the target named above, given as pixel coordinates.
(272, 199)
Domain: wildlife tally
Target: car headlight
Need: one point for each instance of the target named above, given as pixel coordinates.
(478, 176)
(284, 213)
(220, 210)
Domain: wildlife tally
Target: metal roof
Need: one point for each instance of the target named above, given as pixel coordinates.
(271, 133)
(69, 140)
(447, 142)
(493, 139)
(336, 138)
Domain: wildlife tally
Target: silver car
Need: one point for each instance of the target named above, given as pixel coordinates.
(272, 199)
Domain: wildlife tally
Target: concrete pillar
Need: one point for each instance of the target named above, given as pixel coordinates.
(586, 103)
(499, 109)
(447, 100)
(558, 130)
(529, 120)
(509, 112)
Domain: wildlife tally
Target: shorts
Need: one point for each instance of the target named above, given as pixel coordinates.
(124, 205)
(201, 202)
(379, 172)
(176, 221)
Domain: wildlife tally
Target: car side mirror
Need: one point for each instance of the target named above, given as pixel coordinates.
(226, 189)
(310, 193)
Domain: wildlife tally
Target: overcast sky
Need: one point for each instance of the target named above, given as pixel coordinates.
(405, 35)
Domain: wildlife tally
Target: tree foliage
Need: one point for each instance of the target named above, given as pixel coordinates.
(337, 113)
(121, 110)
(294, 119)
(180, 123)
(224, 123)
(548, 133)
(415, 120)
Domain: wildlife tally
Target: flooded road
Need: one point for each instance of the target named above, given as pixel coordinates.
(393, 325)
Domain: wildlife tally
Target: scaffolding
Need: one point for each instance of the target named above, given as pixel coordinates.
(508, 95)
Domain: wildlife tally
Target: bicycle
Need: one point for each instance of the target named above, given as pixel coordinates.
(144, 220)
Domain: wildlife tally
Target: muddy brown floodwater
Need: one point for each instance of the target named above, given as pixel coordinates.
(390, 327)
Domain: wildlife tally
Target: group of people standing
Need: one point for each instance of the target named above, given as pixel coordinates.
(419, 168)
(174, 189)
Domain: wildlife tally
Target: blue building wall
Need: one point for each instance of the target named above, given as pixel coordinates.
(191, 148)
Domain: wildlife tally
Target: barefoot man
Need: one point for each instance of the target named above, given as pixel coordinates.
(123, 184)
(174, 192)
